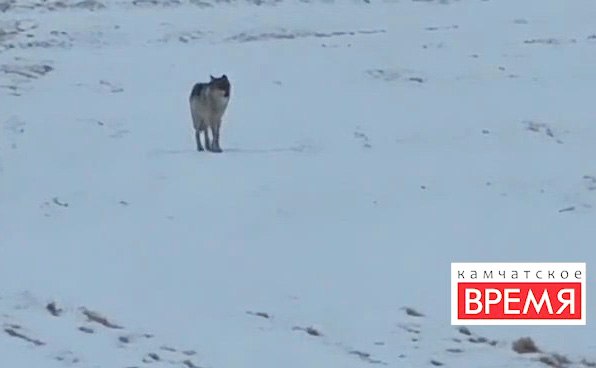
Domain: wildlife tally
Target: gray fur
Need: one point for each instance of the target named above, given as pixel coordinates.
(208, 103)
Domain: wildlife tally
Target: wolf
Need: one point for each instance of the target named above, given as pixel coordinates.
(208, 103)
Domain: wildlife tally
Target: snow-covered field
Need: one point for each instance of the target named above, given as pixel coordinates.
(367, 145)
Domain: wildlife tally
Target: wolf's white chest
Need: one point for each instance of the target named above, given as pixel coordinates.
(221, 102)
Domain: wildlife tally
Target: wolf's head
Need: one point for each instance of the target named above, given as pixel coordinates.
(222, 83)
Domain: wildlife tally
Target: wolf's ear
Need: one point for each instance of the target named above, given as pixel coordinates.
(212, 77)
(224, 77)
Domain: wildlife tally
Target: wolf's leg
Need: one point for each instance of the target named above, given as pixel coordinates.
(207, 142)
(198, 138)
(197, 123)
(215, 130)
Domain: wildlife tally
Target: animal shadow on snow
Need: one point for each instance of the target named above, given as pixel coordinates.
(298, 148)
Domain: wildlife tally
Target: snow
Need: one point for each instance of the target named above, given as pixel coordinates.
(366, 147)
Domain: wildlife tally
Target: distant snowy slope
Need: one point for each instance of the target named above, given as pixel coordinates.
(366, 146)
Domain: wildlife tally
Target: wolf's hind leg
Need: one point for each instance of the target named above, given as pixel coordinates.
(207, 141)
(197, 124)
(215, 129)
(198, 138)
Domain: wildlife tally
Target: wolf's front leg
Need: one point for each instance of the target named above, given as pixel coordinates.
(215, 129)
(198, 138)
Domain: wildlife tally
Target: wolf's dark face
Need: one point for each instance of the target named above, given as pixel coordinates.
(222, 83)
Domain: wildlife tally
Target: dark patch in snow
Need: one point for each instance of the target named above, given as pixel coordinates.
(113, 88)
(4, 6)
(482, 340)
(544, 128)
(87, 330)
(390, 75)
(409, 329)
(567, 209)
(151, 357)
(91, 5)
(335, 45)
(23, 34)
(188, 363)
(433, 45)
(201, 3)
(259, 314)
(98, 318)
(124, 339)
(590, 182)
(549, 41)
(384, 74)
(284, 34)
(524, 345)
(363, 138)
(53, 309)
(366, 357)
(184, 37)
(454, 350)
(21, 74)
(464, 331)
(164, 3)
(555, 360)
(309, 330)
(14, 333)
(57, 202)
(67, 357)
(313, 331)
(30, 71)
(412, 312)
(438, 28)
